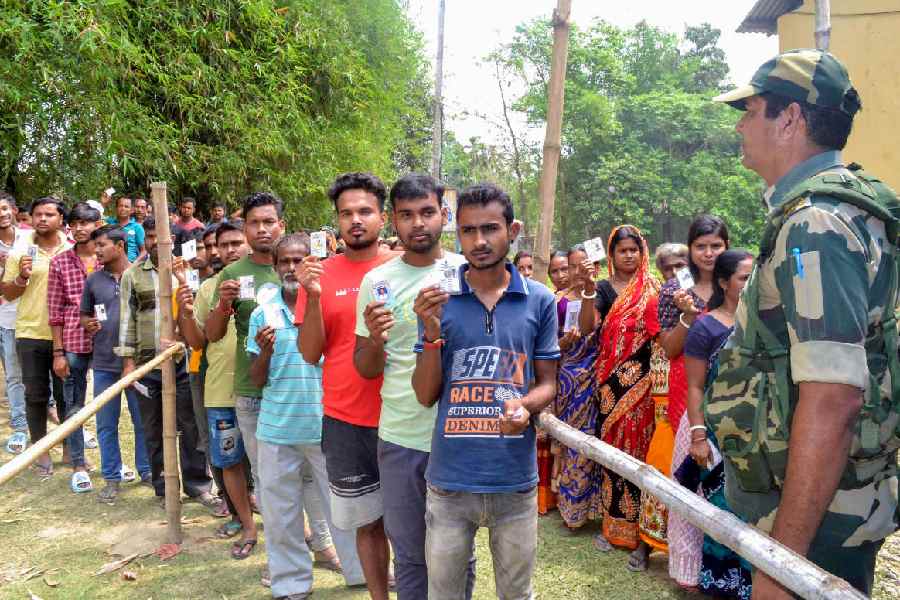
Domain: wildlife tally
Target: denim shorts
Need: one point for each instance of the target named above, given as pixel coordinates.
(226, 446)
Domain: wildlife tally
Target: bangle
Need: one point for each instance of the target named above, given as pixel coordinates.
(696, 427)
(586, 297)
(59, 352)
(681, 320)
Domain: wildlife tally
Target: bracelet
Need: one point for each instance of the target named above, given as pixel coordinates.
(586, 297)
(681, 320)
(59, 352)
(696, 427)
(703, 439)
(438, 343)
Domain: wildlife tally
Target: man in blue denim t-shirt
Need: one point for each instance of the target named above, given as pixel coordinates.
(488, 356)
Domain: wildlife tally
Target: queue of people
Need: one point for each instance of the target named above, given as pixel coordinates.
(374, 398)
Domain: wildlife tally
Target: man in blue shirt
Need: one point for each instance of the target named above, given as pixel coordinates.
(488, 357)
(289, 435)
(134, 232)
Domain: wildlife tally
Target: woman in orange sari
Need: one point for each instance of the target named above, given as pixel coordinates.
(622, 391)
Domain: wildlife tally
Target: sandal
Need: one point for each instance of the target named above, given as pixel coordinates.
(329, 563)
(229, 530)
(222, 511)
(209, 501)
(637, 563)
(81, 482)
(601, 543)
(109, 493)
(17, 443)
(242, 549)
(127, 474)
(45, 472)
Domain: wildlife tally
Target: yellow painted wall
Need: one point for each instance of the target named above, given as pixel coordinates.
(865, 36)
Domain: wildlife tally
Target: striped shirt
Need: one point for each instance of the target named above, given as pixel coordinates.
(291, 408)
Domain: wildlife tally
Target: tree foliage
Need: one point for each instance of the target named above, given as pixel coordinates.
(218, 98)
(642, 142)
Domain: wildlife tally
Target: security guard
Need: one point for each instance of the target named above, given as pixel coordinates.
(805, 408)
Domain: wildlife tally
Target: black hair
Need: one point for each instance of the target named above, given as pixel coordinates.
(574, 249)
(257, 199)
(114, 233)
(415, 186)
(520, 255)
(626, 232)
(83, 211)
(9, 199)
(238, 223)
(559, 254)
(358, 181)
(217, 205)
(291, 239)
(48, 200)
(124, 197)
(482, 194)
(825, 127)
(172, 209)
(704, 225)
(185, 200)
(211, 230)
(225, 228)
(149, 224)
(726, 266)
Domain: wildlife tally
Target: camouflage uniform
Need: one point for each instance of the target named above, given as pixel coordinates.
(823, 287)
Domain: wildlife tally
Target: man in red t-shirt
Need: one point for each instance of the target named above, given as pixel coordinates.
(326, 315)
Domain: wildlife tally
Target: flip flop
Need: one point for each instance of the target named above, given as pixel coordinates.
(228, 530)
(17, 443)
(81, 482)
(601, 543)
(45, 472)
(127, 474)
(238, 549)
(637, 563)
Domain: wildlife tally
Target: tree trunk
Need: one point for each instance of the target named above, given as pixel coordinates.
(553, 136)
(437, 141)
(167, 332)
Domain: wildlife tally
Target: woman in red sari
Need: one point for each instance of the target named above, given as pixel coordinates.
(622, 393)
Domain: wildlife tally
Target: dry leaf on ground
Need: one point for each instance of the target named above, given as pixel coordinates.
(115, 565)
(167, 551)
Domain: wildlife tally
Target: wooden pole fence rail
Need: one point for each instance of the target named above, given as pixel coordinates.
(56, 436)
(782, 564)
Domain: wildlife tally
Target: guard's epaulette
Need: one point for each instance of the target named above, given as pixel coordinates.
(796, 204)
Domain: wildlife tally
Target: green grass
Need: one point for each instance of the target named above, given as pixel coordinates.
(45, 525)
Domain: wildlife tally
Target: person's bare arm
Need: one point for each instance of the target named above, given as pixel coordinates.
(512, 420)
(587, 317)
(13, 290)
(187, 325)
(217, 321)
(259, 366)
(311, 341)
(821, 433)
(428, 377)
(695, 370)
(368, 355)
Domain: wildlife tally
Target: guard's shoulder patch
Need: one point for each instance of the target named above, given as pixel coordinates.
(797, 204)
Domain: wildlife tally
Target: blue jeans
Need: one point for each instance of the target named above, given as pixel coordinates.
(108, 429)
(452, 519)
(15, 389)
(74, 391)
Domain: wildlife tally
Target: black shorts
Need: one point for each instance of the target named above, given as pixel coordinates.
(351, 460)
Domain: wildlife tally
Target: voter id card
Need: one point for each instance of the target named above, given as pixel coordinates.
(32, 252)
(573, 309)
(685, 279)
(595, 250)
(100, 312)
(248, 290)
(449, 278)
(381, 292)
(189, 250)
(318, 244)
(273, 316)
(192, 278)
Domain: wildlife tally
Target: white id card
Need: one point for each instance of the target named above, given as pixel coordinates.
(595, 249)
(192, 278)
(381, 291)
(318, 244)
(248, 290)
(273, 316)
(100, 312)
(32, 252)
(685, 279)
(573, 310)
(449, 278)
(189, 250)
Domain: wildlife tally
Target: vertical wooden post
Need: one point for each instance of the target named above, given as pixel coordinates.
(167, 332)
(823, 24)
(552, 138)
(438, 126)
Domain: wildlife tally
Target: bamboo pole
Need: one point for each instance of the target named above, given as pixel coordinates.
(437, 143)
(782, 564)
(167, 332)
(823, 24)
(552, 137)
(30, 455)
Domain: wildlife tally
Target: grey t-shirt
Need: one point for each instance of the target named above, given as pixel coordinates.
(101, 287)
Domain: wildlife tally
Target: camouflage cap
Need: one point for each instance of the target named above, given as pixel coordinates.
(811, 76)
